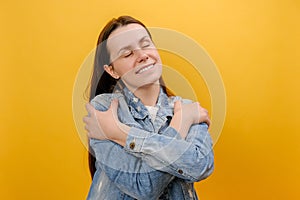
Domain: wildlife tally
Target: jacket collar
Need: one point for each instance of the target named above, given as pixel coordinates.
(139, 111)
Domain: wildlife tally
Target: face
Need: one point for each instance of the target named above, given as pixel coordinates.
(133, 56)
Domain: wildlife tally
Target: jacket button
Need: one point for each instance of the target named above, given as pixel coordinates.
(132, 145)
(180, 171)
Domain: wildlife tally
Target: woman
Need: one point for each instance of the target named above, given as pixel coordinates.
(144, 144)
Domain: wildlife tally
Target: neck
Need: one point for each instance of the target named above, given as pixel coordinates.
(148, 94)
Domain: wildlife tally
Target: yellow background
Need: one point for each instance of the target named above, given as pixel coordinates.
(255, 45)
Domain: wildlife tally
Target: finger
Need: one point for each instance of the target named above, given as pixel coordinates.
(86, 119)
(114, 106)
(114, 103)
(89, 134)
(177, 105)
(89, 108)
(86, 128)
(204, 110)
(208, 122)
(198, 107)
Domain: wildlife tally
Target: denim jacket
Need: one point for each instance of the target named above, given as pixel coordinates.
(155, 163)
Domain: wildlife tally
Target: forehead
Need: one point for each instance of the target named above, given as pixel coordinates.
(125, 36)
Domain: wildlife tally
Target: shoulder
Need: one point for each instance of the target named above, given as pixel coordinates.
(103, 101)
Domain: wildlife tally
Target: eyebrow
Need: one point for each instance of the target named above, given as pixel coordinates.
(127, 47)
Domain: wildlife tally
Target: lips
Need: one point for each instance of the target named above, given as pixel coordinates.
(145, 68)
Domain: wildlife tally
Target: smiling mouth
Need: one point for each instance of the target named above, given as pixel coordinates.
(145, 68)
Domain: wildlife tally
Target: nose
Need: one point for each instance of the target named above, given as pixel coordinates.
(141, 55)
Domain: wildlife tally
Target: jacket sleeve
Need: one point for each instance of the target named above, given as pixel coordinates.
(191, 159)
(131, 174)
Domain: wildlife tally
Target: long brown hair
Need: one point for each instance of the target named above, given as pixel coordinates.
(101, 81)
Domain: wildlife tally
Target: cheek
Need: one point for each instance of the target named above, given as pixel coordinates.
(156, 55)
(122, 67)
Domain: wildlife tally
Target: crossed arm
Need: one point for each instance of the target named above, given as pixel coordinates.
(152, 161)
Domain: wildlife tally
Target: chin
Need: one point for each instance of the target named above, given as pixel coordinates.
(136, 85)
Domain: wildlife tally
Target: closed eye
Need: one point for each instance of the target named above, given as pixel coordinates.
(127, 54)
(146, 43)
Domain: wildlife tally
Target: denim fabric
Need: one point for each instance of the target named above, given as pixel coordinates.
(155, 163)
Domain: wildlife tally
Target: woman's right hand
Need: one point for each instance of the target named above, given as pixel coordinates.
(105, 125)
(186, 115)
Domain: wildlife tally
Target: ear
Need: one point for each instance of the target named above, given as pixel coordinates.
(110, 70)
